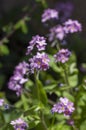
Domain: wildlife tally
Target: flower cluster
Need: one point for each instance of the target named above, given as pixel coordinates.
(62, 56)
(1, 102)
(60, 31)
(49, 14)
(72, 26)
(38, 41)
(39, 62)
(18, 79)
(19, 124)
(56, 32)
(63, 106)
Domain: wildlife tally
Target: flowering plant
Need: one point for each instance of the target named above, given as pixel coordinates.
(46, 82)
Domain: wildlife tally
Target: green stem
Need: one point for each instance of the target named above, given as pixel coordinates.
(24, 101)
(43, 120)
(36, 76)
(74, 128)
(55, 43)
(58, 46)
(69, 87)
(65, 69)
(66, 77)
(53, 120)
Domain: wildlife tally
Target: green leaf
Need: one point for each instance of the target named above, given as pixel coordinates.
(53, 64)
(33, 124)
(73, 80)
(4, 50)
(21, 24)
(61, 126)
(44, 3)
(8, 28)
(24, 101)
(29, 84)
(72, 58)
(41, 92)
(24, 27)
(49, 88)
(83, 126)
(73, 68)
(18, 24)
(69, 96)
(30, 111)
(5, 40)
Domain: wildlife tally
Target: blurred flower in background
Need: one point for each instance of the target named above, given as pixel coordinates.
(49, 14)
(65, 10)
(18, 79)
(72, 26)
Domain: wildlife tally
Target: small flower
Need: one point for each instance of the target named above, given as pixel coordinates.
(49, 14)
(1, 102)
(22, 67)
(38, 41)
(62, 56)
(64, 101)
(72, 26)
(19, 124)
(59, 107)
(63, 106)
(56, 32)
(39, 62)
(18, 79)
